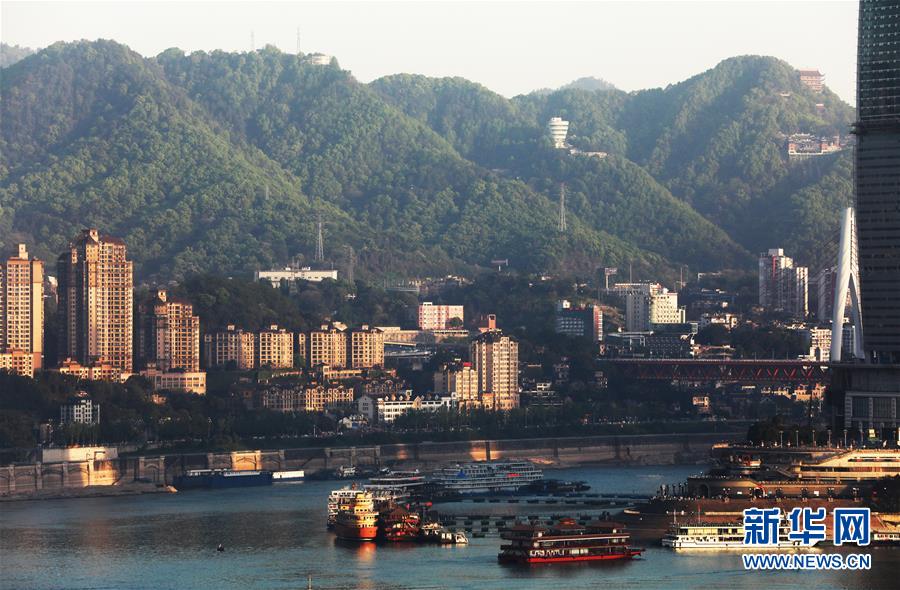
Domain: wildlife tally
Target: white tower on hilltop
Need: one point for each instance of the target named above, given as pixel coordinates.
(559, 129)
(847, 279)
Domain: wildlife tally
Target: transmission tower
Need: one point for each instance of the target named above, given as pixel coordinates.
(351, 261)
(252, 41)
(562, 207)
(320, 243)
(298, 40)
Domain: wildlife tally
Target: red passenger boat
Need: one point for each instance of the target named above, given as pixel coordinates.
(356, 519)
(566, 541)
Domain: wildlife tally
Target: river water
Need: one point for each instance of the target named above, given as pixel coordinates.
(275, 538)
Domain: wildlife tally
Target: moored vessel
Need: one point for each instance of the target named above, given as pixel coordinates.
(221, 478)
(398, 524)
(357, 519)
(566, 541)
(484, 477)
(722, 535)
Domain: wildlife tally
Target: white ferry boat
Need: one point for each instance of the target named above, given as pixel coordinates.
(728, 535)
(487, 476)
(407, 481)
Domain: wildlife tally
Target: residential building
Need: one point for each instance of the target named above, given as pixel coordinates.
(783, 287)
(275, 348)
(322, 397)
(328, 346)
(98, 371)
(728, 320)
(232, 348)
(580, 322)
(818, 341)
(653, 305)
(177, 380)
(22, 311)
(366, 348)
(96, 307)
(168, 333)
(438, 317)
(300, 349)
(877, 172)
(20, 362)
(459, 379)
(79, 409)
(559, 129)
(495, 359)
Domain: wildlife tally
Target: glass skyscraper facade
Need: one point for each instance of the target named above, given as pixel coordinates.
(878, 177)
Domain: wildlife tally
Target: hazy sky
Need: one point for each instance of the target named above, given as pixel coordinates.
(510, 47)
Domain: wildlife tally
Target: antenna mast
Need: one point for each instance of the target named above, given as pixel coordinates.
(320, 242)
(562, 207)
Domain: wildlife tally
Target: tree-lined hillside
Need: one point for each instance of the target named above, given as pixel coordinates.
(223, 162)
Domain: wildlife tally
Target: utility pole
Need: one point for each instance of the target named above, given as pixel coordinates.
(252, 41)
(298, 40)
(350, 262)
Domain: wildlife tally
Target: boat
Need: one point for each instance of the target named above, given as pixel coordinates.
(723, 535)
(487, 477)
(357, 519)
(555, 486)
(345, 472)
(340, 498)
(221, 478)
(566, 541)
(433, 532)
(287, 476)
(407, 481)
(398, 524)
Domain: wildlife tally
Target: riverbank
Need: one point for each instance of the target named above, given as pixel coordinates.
(128, 489)
(39, 480)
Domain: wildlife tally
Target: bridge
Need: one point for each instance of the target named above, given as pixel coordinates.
(745, 371)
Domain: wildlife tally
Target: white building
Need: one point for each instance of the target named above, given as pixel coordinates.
(729, 320)
(559, 129)
(655, 306)
(437, 317)
(783, 286)
(819, 342)
(80, 409)
(287, 275)
(386, 409)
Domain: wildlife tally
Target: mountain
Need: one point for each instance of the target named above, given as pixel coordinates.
(10, 54)
(224, 162)
(589, 83)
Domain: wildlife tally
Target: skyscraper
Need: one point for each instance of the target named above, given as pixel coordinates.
(783, 286)
(495, 358)
(878, 177)
(168, 333)
(96, 286)
(22, 309)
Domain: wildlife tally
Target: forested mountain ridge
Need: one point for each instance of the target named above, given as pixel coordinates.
(224, 161)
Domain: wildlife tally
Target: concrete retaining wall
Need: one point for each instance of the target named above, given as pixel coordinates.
(631, 450)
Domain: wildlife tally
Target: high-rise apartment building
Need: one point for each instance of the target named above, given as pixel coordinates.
(650, 306)
(878, 177)
(495, 359)
(22, 312)
(459, 379)
(583, 322)
(782, 286)
(96, 290)
(231, 348)
(366, 348)
(168, 333)
(275, 348)
(328, 346)
(438, 317)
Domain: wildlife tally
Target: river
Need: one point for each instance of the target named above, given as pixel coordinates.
(275, 538)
